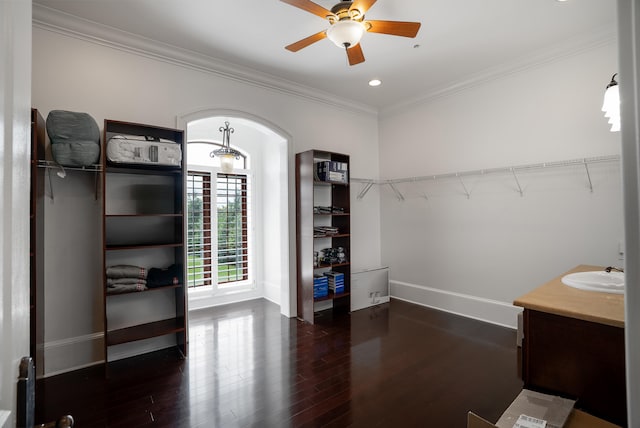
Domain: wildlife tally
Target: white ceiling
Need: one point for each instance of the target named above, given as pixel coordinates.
(459, 39)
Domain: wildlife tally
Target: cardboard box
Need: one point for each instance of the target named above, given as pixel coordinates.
(553, 409)
(557, 411)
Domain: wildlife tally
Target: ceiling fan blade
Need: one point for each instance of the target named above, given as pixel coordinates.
(395, 28)
(295, 47)
(362, 5)
(310, 6)
(355, 55)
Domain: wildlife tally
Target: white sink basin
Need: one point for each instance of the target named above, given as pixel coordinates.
(608, 282)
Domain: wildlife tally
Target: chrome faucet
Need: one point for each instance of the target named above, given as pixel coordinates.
(612, 268)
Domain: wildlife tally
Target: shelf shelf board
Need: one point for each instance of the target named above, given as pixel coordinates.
(142, 246)
(145, 331)
(331, 214)
(327, 183)
(331, 296)
(142, 215)
(164, 287)
(143, 169)
(337, 235)
(325, 266)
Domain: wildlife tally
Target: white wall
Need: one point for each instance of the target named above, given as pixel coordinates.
(15, 131)
(73, 73)
(475, 255)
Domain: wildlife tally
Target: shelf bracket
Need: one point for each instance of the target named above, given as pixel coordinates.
(422, 192)
(95, 180)
(50, 184)
(466, 192)
(586, 167)
(515, 177)
(365, 189)
(396, 191)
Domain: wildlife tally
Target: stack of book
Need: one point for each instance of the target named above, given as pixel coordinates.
(319, 231)
(328, 210)
(332, 171)
(320, 286)
(336, 281)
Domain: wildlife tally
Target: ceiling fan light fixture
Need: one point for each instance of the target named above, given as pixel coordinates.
(346, 33)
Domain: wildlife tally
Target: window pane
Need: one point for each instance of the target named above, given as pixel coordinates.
(198, 229)
(231, 197)
(231, 227)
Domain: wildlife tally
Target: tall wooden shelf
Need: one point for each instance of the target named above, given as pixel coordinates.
(36, 244)
(143, 225)
(312, 192)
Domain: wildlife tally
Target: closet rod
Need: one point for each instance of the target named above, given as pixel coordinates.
(510, 170)
(62, 173)
(54, 165)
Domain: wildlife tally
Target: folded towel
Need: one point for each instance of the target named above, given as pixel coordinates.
(125, 288)
(126, 281)
(126, 271)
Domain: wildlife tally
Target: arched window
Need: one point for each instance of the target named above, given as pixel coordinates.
(219, 212)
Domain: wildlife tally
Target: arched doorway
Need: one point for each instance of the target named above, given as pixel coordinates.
(262, 173)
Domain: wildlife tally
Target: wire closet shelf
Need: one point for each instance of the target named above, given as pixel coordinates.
(512, 170)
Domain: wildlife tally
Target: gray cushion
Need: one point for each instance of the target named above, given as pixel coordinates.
(75, 138)
(78, 153)
(65, 126)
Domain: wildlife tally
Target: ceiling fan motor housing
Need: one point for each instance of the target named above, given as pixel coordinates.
(342, 11)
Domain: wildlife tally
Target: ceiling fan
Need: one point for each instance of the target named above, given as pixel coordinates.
(348, 26)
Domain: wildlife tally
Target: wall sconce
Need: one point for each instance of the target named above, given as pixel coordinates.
(226, 154)
(611, 104)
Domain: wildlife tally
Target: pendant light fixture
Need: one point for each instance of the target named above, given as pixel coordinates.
(611, 104)
(226, 154)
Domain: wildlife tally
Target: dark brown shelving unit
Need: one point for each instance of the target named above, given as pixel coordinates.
(312, 192)
(148, 290)
(145, 331)
(36, 244)
(143, 225)
(142, 246)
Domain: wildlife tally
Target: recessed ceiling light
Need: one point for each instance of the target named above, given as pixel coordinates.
(375, 82)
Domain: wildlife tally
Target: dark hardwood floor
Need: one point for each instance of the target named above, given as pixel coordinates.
(396, 365)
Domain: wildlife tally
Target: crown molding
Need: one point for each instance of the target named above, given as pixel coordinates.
(559, 52)
(49, 19)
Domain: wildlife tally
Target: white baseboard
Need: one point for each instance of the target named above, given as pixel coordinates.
(271, 292)
(5, 416)
(61, 356)
(75, 353)
(487, 310)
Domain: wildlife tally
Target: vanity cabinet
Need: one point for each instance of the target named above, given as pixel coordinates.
(573, 346)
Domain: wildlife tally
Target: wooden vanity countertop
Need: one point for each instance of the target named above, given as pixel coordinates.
(554, 297)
